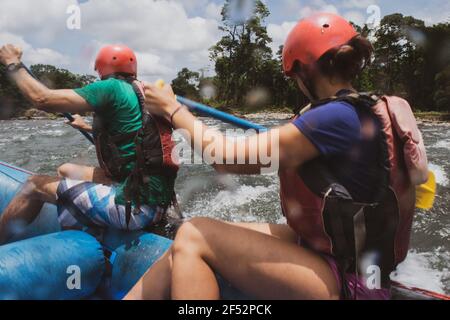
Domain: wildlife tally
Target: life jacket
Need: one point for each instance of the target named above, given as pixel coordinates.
(152, 156)
(327, 219)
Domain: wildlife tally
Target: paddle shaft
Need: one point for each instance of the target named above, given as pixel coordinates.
(219, 115)
(68, 116)
(88, 136)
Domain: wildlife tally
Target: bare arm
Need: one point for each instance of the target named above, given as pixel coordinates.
(285, 145)
(41, 96)
(65, 100)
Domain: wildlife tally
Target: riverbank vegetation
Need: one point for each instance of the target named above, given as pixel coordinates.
(411, 60)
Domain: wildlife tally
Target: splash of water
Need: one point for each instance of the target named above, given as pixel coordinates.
(441, 176)
(417, 271)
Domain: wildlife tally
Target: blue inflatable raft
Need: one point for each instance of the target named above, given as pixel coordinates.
(45, 263)
(42, 259)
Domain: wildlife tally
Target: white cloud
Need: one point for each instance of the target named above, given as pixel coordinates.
(46, 56)
(357, 4)
(35, 55)
(213, 11)
(162, 31)
(192, 5)
(290, 6)
(433, 14)
(150, 66)
(355, 17)
(279, 33)
(318, 6)
(148, 25)
(40, 20)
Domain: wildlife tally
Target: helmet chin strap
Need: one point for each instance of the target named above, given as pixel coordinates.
(306, 86)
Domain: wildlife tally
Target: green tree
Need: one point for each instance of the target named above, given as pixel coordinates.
(411, 60)
(285, 91)
(397, 58)
(442, 90)
(56, 78)
(241, 55)
(437, 62)
(408, 58)
(11, 101)
(186, 84)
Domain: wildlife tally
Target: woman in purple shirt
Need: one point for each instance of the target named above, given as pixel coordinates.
(324, 54)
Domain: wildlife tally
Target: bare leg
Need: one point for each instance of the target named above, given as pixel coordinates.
(84, 173)
(262, 266)
(27, 204)
(155, 284)
(150, 289)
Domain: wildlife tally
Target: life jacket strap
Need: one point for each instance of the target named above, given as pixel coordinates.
(128, 208)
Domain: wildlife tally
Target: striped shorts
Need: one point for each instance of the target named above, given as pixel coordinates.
(83, 205)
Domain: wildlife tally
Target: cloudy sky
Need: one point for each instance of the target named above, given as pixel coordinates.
(167, 34)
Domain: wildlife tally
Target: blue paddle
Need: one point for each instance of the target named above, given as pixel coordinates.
(208, 111)
(88, 136)
(68, 116)
(219, 115)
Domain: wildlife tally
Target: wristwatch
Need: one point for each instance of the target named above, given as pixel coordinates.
(13, 67)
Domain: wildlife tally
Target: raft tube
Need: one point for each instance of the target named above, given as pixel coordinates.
(37, 268)
(130, 254)
(60, 266)
(11, 180)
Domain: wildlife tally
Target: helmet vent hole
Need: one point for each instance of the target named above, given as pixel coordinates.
(326, 25)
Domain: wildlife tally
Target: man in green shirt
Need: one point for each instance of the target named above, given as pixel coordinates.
(133, 186)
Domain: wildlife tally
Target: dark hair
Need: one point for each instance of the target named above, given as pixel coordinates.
(347, 61)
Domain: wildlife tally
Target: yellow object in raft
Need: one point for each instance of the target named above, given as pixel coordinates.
(426, 193)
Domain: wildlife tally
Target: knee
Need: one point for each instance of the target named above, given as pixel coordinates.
(40, 188)
(31, 186)
(192, 236)
(65, 170)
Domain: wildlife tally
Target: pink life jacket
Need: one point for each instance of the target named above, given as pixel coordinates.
(325, 217)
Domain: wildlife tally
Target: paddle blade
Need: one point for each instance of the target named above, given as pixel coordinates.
(160, 83)
(426, 193)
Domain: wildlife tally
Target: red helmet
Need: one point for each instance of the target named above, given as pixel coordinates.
(314, 36)
(115, 59)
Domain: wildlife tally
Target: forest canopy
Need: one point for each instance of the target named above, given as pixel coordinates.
(411, 60)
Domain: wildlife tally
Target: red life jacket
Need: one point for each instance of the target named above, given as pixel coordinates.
(152, 156)
(327, 219)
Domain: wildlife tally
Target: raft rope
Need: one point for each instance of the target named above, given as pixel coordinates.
(14, 168)
(428, 293)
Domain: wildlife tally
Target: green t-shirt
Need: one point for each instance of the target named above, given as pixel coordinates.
(116, 103)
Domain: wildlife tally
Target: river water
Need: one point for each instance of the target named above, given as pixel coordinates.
(42, 145)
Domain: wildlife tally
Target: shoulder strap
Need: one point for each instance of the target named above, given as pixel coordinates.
(356, 98)
(138, 88)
